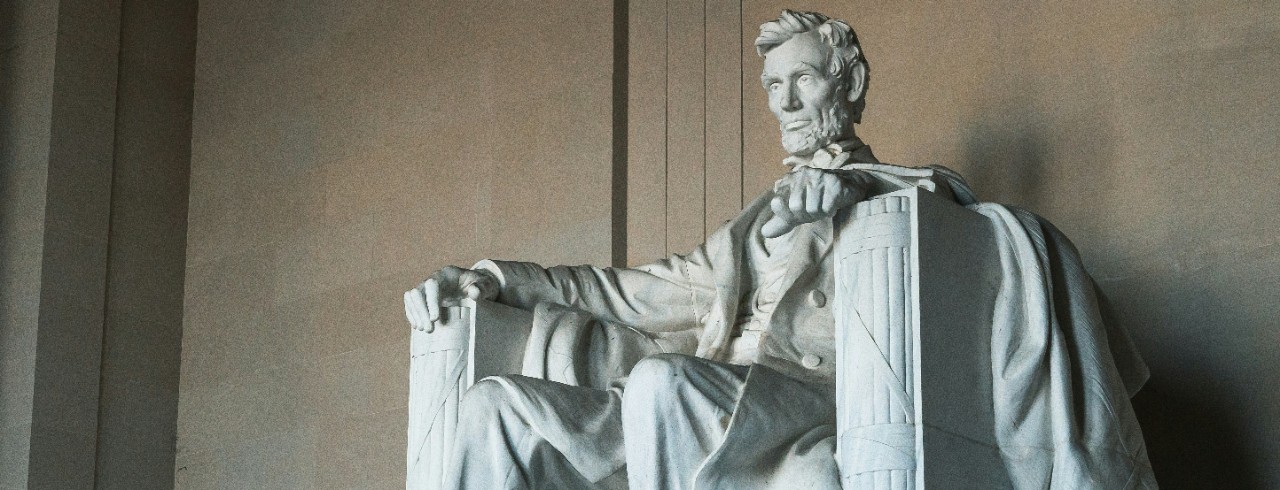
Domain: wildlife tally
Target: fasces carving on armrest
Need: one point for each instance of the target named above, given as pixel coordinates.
(876, 392)
(478, 339)
(437, 379)
(916, 280)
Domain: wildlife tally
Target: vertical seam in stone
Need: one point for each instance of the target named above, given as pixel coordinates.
(621, 73)
(705, 116)
(666, 126)
(106, 276)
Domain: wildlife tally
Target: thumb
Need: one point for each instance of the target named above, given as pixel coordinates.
(473, 292)
(775, 227)
(780, 223)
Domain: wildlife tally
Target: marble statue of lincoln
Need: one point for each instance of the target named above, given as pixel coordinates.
(716, 368)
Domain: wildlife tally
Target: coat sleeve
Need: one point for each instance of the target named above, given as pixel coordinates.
(669, 295)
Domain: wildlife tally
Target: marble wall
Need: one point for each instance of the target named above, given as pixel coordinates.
(342, 151)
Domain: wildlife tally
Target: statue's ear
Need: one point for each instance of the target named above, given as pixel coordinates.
(857, 82)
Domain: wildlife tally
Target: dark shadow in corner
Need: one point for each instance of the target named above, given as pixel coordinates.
(1192, 441)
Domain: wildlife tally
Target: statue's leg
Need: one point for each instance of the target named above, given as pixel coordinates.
(516, 432)
(675, 409)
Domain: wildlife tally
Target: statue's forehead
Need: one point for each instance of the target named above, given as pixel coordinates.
(802, 51)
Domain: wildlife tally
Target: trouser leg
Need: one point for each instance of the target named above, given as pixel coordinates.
(516, 432)
(674, 413)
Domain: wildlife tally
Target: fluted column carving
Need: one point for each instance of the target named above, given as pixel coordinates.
(875, 403)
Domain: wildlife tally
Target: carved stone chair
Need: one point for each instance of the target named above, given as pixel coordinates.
(916, 281)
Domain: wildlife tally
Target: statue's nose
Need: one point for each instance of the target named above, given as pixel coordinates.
(790, 101)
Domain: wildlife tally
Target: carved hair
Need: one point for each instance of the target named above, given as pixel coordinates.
(845, 54)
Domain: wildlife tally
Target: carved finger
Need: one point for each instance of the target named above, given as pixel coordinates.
(409, 312)
(420, 307)
(829, 196)
(431, 292)
(813, 201)
(796, 204)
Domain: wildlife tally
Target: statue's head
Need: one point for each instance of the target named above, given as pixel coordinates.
(816, 78)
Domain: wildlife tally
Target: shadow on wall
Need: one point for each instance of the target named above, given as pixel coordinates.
(1195, 439)
(1006, 155)
(1041, 160)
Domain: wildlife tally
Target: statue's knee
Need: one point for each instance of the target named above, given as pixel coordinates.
(655, 377)
(484, 400)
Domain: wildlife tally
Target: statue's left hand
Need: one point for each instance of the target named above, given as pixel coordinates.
(808, 194)
(423, 305)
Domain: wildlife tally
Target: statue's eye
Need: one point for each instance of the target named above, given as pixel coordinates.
(774, 86)
(805, 79)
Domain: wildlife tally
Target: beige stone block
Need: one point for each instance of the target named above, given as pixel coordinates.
(61, 458)
(200, 408)
(198, 471)
(343, 385)
(224, 328)
(264, 403)
(389, 386)
(385, 433)
(15, 448)
(353, 317)
(230, 203)
(346, 445)
(409, 246)
(363, 452)
(284, 460)
(25, 21)
(323, 258)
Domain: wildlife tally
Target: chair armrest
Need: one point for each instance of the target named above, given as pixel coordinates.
(916, 278)
(477, 339)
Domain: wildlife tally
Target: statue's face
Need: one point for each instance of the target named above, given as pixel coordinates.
(812, 106)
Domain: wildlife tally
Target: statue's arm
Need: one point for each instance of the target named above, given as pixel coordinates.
(668, 295)
(671, 294)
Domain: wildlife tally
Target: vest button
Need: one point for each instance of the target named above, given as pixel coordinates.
(810, 361)
(817, 299)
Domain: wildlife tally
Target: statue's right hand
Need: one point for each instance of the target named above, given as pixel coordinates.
(423, 305)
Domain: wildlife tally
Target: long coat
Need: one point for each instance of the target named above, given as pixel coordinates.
(592, 324)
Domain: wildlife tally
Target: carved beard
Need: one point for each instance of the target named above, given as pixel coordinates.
(832, 124)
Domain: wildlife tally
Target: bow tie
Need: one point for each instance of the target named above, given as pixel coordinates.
(831, 157)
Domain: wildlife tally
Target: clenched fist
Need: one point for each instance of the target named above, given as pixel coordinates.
(808, 194)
